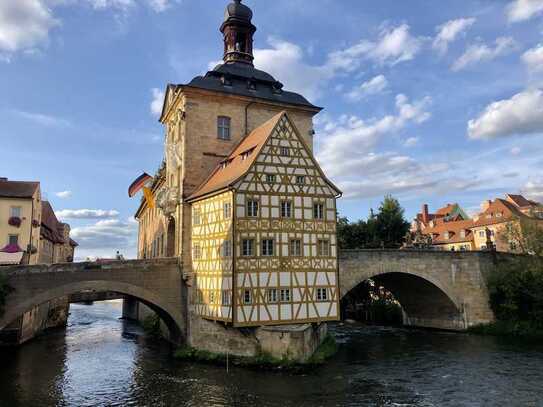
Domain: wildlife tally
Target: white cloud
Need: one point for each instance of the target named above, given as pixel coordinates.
(520, 115)
(105, 236)
(411, 142)
(374, 86)
(516, 151)
(449, 31)
(42, 119)
(286, 60)
(347, 141)
(117, 4)
(24, 25)
(533, 59)
(157, 102)
(159, 5)
(534, 190)
(64, 194)
(521, 10)
(86, 214)
(482, 52)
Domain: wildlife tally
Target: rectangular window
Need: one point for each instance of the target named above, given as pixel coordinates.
(248, 247)
(296, 247)
(300, 179)
(247, 297)
(197, 217)
(482, 233)
(211, 297)
(226, 248)
(267, 247)
(197, 251)
(286, 209)
(284, 151)
(15, 212)
(285, 295)
(322, 294)
(225, 297)
(252, 208)
(272, 295)
(323, 248)
(318, 211)
(13, 239)
(270, 178)
(223, 128)
(227, 210)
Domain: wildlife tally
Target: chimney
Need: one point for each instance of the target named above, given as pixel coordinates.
(425, 215)
(485, 205)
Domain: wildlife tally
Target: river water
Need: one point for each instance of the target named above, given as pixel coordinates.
(101, 360)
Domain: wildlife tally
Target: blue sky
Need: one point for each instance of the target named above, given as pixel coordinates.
(429, 103)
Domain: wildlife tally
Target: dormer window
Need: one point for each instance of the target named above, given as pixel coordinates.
(226, 81)
(251, 85)
(462, 234)
(277, 88)
(246, 154)
(223, 128)
(447, 235)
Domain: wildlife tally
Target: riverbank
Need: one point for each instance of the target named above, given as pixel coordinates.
(517, 329)
(325, 351)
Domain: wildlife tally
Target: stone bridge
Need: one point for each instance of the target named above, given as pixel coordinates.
(436, 289)
(156, 283)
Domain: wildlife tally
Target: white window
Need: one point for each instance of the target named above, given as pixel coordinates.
(272, 295)
(285, 295)
(197, 251)
(225, 297)
(197, 217)
(13, 239)
(296, 247)
(322, 294)
(284, 151)
(247, 296)
(318, 211)
(226, 248)
(300, 179)
(267, 247)
(227, 210)
(482, 233)
(270, 178)
(286, 209)
(247, 247)
(447, 235)
(223, 128)
(252, 208)
(462, 233)
(323, 248)
(15, 212)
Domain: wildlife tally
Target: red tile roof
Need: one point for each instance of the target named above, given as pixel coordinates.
(454, 228)
(519, 200)
(50, 226)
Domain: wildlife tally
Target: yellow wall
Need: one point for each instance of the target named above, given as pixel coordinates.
(212, 271)
(497, 230)
(30, 209)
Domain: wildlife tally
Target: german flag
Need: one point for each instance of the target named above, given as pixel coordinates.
(138, 184)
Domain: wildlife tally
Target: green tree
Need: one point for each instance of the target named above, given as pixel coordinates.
(525, 235)
(390, 224)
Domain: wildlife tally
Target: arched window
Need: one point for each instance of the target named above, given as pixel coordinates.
(223, 128)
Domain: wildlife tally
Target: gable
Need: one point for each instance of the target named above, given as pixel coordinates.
(285, 156)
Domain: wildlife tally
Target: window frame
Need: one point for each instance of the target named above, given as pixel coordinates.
(285, 295)
(284, 151)
(298, 178)
(267, 250)
(19, 209)
(251, 252)
(291, 250)
(227, 210)
(284, 204)
(226, 298)
(197, 217)
(16, 236)
(226, 249)
(224, 128)
(323, 243)
(247, 297)
(252, 208)
(318, 206)
(196, 252)
(271, 296)
(319, 297)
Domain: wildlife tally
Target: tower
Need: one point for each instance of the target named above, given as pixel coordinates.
(238, 31)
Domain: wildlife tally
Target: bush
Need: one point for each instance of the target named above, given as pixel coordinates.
(516, 293)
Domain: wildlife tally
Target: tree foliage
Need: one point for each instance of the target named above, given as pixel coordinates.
(526, 234)
(386, 229)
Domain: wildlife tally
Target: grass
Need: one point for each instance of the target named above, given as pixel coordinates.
(516, 329)
(263, 360)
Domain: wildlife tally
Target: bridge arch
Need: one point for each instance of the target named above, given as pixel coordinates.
(143, 295)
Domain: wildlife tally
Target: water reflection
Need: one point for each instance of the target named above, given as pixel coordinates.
(101, 360)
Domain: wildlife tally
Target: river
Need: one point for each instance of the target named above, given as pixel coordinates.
(101, 360)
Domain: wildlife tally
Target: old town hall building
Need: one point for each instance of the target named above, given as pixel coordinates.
(240, 197)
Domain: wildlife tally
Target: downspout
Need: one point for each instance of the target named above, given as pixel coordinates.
(234, 249)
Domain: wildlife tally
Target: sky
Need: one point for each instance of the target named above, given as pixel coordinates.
(428, 103)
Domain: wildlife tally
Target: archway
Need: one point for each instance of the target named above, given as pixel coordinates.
(170, 250)
(171, 317)
(424, 302)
